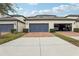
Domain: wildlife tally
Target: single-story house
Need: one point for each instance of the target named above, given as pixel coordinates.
(43, 23)
(39, 23)
(8, 23)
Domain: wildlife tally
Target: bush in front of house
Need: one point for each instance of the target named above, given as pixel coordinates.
(25, 30)
(52, 30)
(76, 29)
(13, 31)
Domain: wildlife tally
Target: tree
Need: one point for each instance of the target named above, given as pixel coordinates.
(5, 8)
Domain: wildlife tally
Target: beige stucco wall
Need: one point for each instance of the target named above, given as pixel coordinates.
(21, 26)
(51, 23)
(76, 24)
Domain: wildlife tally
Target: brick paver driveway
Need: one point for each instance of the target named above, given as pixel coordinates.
(38, 34)
(74, 35)
(70, 33)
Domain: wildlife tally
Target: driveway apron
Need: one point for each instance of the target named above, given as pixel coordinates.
(38, 46)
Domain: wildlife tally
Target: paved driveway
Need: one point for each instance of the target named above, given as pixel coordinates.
(38, 34)
(38, 46)
(70, 33)
(74, 35)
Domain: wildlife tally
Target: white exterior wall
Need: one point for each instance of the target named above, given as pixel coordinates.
(10, 22)
(51, 23)
(72, 17)
(77, 24)
(21, 26)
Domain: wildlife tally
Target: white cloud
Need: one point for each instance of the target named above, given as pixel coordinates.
(20, 8)
(57, 10)
(33, 3)
(54, 10)
(34, 12)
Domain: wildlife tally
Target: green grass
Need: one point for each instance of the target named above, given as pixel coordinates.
(69, 39)
(9, 37)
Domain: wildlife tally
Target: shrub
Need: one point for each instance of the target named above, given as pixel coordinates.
(13, 31)
(25, 30)
(76, 29)
(52, 30)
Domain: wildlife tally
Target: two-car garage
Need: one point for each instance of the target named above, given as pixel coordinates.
(38, 27)
(6, 27)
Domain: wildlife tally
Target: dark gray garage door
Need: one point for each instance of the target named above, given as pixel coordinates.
(6, 27)
(38, 27)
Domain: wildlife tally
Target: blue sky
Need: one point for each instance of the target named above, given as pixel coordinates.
(59, 9)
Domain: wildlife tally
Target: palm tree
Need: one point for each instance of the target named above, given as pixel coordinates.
(5, 8)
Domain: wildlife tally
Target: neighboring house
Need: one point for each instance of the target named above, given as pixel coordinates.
(43, 23)
(8, 23)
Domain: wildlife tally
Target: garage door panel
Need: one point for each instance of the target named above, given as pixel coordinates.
(38, 27)
(6, 27)
(63, 27)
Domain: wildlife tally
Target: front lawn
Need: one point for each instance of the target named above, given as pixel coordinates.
(69, 39)
(8, 37)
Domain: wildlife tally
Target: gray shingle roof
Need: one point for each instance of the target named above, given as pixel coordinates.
(48, 17)
(72, 16)
(18, 16)
(9, 19)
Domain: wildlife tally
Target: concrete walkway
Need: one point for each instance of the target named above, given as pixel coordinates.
(38, 46)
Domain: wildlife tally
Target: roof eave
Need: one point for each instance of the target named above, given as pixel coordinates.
(51, 19)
